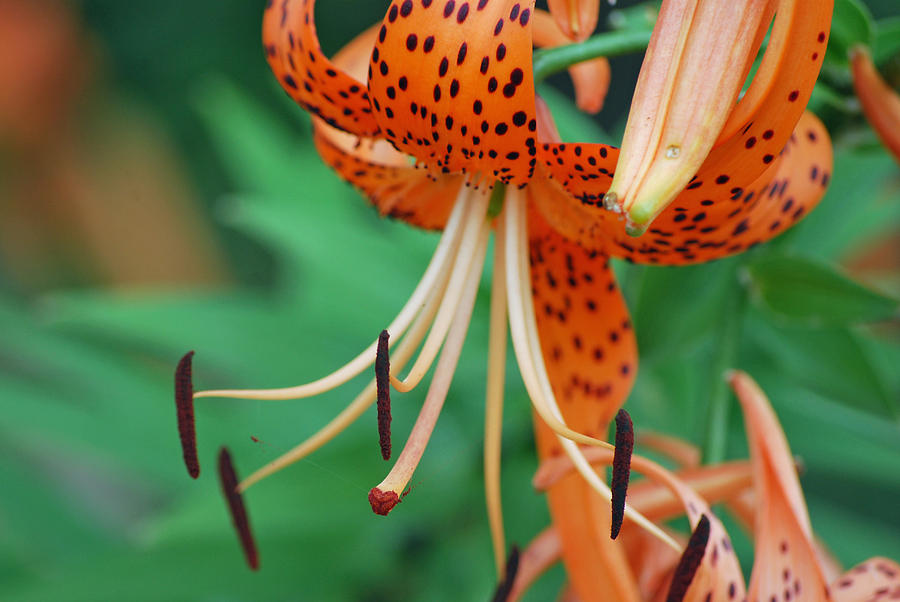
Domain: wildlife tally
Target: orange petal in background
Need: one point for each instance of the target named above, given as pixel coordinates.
(880, 103)
(590, 78)
(577, 19)
(785, 559)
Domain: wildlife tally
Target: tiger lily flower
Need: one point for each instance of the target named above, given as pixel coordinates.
(433, 116)
(788, 563)
(880, 103)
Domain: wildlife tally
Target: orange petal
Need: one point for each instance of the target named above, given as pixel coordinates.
(451, 84)
(767, 115)
(683, 453)
(590, 78)
(715, 217)
(589, 350)
(293, 52)
(385, 176)
(542, 553)
(785, 559)
(576, 18)
(880, 103)
(690, 79)
(874, 579)
(652, 562)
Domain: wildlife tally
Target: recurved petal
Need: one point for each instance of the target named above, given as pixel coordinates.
(589, 350)
(293, 52)
(714, 217)
(451, 84)
(387, 179)
(590, 78)
(880, 103)
(385, 176)
(767, 115)
(785, 561)
(874, 579)
(576, 18)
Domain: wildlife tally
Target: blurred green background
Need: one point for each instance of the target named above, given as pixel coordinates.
(159, 193)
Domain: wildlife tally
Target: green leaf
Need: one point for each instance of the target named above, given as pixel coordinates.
(850, 25)
(832, 362)
(887, 39)
(811, 292)
(667, 320)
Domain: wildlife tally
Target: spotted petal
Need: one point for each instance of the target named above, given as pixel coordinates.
(451, 84)
(713, 218)
(386, 177)
(785, 564)
(590, 353)
(876, 579)
(293, 52)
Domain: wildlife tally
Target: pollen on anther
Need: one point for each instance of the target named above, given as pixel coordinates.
(382, 502)
(229, 480)
(621, 469)
(690, 561)
(184, 405)
(383, 387)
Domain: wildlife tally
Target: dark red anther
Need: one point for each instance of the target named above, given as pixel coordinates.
(229, 480)
(184, 404)
(383, 502)
(690, 561)
(621, 469)
(383, 387)
(504, 588)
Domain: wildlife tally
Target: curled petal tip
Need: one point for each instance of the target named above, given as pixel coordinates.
(880, 103)
(184, 405)
(383, 502)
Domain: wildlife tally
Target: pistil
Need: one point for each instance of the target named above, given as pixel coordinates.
(387, 493)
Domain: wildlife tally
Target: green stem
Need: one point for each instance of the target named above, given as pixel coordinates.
(726, 355)
(614, 43)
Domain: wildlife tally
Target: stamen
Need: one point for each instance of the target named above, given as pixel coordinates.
(360, 404)
(621, 469)
(184, 404)
(412, 452)
(712, 483)
(383, 387)
(435, 277)
(229, 481)
(501, 594)
(493, 418)
(690, 561)
(458, 278)
(526, 344)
